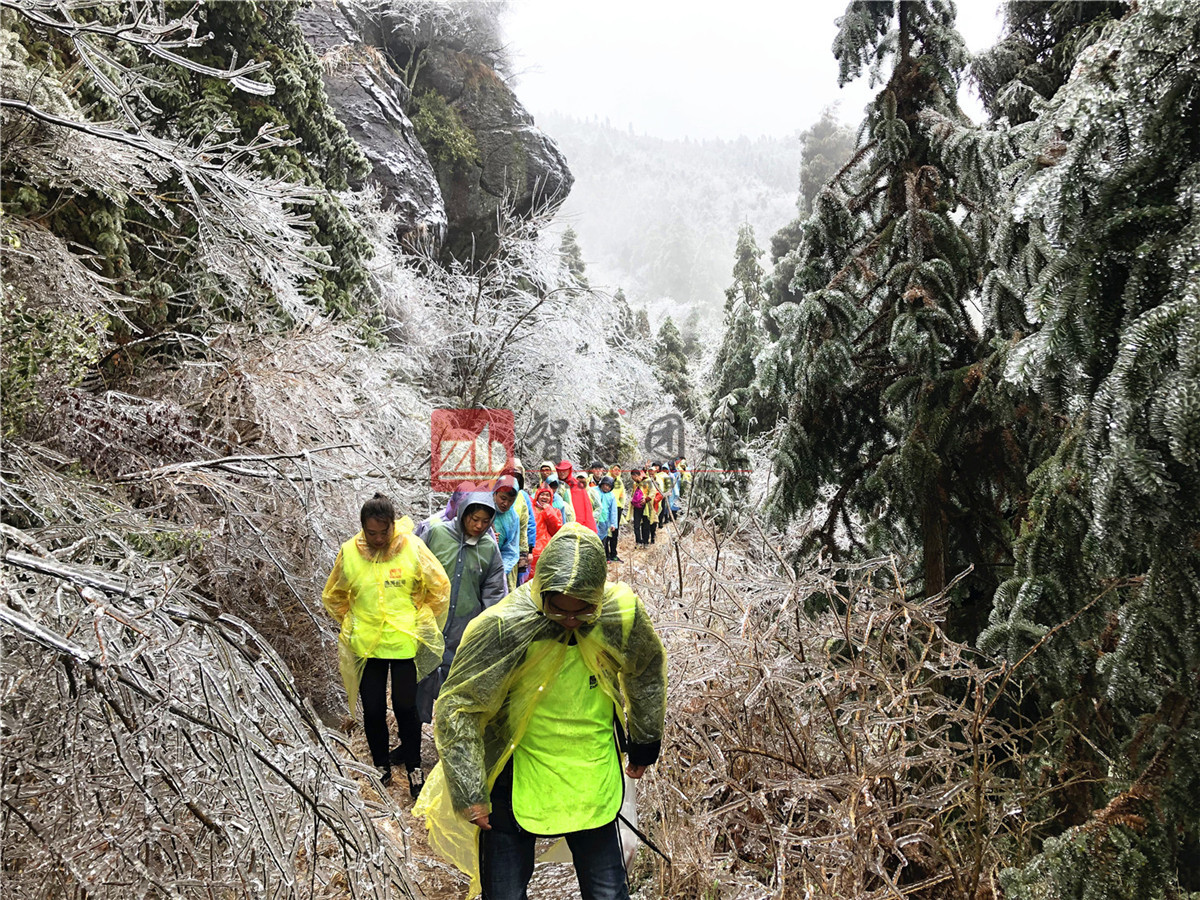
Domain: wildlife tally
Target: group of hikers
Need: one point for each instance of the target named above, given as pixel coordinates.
(495, 620)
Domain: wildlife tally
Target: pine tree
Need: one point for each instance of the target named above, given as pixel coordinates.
(828, 144)
(691, 334)
(642, 321)
(733, 372)
(721, 480)
(893, 412)
(1101, 245)
(671, 366)
(572, 257)
(1033, 60)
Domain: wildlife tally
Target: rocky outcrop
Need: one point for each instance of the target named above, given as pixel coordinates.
(518, 167)
(369, 99)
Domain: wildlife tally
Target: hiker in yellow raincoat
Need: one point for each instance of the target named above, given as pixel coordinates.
(621, 495)
(389, 593)
(525, 725)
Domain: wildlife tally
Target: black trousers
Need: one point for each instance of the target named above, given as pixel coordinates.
(610, 545)
(373, 692)
(641, 526)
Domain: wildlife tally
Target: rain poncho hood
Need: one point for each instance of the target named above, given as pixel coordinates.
(510, 654)
(367, 607)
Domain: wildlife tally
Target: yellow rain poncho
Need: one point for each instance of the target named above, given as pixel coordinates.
(622, 496)
(509, 657)
(391, 605)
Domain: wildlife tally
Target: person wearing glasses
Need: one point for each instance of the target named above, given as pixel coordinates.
(548, 690)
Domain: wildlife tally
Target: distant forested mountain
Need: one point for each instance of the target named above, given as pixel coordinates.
(659, 217)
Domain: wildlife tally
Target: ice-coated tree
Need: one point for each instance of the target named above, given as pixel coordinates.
(722, 478)
(571, 255)
(170, 155)
(827, 144)
(1035, 56)
(670, 364)
(894, 418)
(733, 371)
(642, 324)
(1101, 241)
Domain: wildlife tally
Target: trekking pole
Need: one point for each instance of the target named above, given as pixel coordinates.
(645, 840)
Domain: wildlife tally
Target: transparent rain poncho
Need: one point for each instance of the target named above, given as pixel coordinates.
(430, 596)
(513, 652)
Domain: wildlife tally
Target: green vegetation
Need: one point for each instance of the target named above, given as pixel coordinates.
(44, 350)
(442, 133)
(981, 348)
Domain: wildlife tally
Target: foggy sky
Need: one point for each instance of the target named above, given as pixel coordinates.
(675, 69)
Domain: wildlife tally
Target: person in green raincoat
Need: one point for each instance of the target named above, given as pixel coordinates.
(390, 595)
(544, 686)
(469, 554)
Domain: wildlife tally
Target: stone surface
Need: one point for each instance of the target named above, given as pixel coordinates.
(520, 168)
(369, 99)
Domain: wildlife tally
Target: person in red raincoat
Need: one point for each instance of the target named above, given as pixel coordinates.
(549, 520)
(580, 500)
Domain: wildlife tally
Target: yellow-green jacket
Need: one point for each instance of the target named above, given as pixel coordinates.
(510, 655)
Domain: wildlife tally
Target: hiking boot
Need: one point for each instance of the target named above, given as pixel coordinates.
(616, 559)
(385, 775)
(416, 781)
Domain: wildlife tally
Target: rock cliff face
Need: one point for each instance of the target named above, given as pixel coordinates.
(518, 168)
(454, 201)
(369, 99)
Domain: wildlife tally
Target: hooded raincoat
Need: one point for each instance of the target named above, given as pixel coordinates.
(580, 502)
(391, 604)
(510, 658)
(549, 520)
(476, 574)
(561, 481)
(620, 494)
(606, 517)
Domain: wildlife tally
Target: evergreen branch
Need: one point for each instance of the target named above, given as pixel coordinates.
(1009, 670)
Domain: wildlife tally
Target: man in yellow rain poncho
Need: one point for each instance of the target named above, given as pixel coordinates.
(525, 725)
(389, 593)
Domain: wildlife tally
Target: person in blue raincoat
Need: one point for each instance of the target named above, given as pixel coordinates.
(507, 525)
(606, 518)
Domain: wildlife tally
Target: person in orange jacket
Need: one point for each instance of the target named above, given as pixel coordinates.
(549, 520)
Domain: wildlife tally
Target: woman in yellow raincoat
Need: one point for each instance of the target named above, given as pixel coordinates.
(621, 495)
(389, 593)
(525, 724)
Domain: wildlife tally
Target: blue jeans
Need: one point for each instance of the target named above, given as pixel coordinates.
(506, 862)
